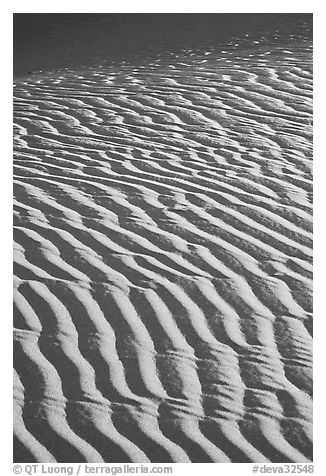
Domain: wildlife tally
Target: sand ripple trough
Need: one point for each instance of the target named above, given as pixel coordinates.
(163, 260)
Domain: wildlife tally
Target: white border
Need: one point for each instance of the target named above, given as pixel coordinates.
(167, 6)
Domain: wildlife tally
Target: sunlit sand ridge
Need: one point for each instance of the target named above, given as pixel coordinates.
(163, 259)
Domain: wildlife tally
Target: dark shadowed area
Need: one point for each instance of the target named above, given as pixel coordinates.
(49, 41)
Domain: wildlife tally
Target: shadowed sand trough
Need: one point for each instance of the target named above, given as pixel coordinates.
(163, 258)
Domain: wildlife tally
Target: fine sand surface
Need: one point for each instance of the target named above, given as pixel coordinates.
(163, 258)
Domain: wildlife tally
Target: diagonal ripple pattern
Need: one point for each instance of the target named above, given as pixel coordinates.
(163, 272)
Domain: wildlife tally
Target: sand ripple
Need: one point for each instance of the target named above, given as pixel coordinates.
(163, 261)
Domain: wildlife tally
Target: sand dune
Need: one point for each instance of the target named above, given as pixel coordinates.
(163, 260)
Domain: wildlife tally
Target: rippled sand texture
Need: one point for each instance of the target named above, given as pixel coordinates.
(163, 260)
